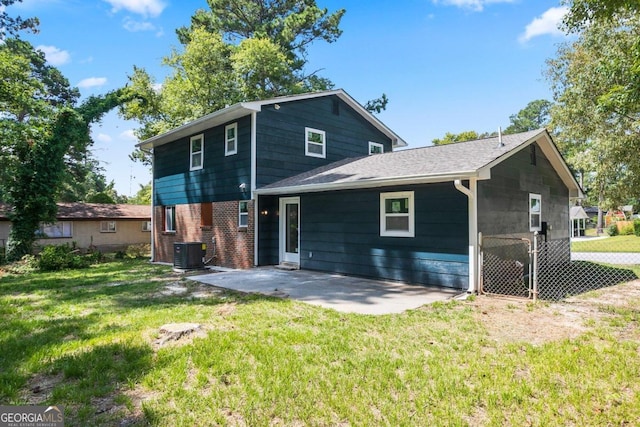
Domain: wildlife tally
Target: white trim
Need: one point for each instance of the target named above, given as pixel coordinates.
(228, 152)
(375, 145)
(474, 252)
(322, 144)
(173, 217)
(192, 153)
(410, 232)
(241, 214)
(368, 183)
(281, 230)
(239, 110)
(538, 197)
(105, 226)
(256, 211)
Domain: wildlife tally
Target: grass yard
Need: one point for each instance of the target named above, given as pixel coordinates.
(608, 244)
(88, 340)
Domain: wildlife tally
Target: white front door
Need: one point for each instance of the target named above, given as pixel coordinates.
(290, 230)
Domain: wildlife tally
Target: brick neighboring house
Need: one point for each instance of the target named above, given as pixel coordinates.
(313, 181)
(105, 227)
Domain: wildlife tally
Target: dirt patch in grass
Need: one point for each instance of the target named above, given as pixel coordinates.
(518, 320)
(40, 387)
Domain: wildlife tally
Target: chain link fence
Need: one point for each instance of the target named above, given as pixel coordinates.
(556, 269)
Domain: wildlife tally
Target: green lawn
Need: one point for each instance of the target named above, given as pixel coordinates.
(87, 340)
(608, 244)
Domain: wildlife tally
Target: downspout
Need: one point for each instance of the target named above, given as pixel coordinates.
(256, 211)
(473, 230)
(153, 221)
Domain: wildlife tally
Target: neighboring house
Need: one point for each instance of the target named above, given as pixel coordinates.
(105, 227)
(312, 180)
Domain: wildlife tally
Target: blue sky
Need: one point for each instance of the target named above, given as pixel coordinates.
(446, 65)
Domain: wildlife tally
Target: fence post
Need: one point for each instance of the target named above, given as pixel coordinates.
(535, 266)
(480, 265)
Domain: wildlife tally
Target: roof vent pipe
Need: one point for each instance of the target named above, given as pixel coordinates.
(500, 143)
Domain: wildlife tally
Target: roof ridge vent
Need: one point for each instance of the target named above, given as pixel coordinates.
(500, 143)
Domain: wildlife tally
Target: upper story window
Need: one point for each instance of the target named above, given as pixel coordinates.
(243, 214)
(169, 221)
(535, 212)
(231, 139)
(397, 216)
(107, 226)
(375, 148)
(315, 143)
(196, 152)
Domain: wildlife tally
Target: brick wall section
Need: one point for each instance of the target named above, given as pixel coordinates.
(233, 245)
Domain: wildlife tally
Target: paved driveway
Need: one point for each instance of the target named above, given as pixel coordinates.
(342, 293)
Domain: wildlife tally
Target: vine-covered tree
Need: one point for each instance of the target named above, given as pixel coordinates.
(39, 125)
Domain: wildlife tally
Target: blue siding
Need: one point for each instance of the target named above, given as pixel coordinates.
(218, 180)
(281, 138)
(340, 232)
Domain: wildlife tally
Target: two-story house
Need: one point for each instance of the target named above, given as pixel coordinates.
(313, 180)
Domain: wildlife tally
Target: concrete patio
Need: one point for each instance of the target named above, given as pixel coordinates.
(342, 293)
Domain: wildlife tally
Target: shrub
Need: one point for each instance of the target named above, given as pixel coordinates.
(627, 230)
(58, 257)
(612, 230)
(636, 227)
(138, 251)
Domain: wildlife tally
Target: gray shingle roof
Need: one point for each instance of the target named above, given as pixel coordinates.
(444, 162)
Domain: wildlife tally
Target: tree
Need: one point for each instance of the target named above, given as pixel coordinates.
(40, 125)
(534, 116)
(599, 138)
(621, 97)
(468, 135)
(12, 26)
(238, 50)
(143, 196)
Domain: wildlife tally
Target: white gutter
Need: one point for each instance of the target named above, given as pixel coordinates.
(471, 194)
(153, 221)
(254, 166)
(368, 183)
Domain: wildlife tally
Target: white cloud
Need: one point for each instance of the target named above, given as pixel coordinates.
(103, 137)
(547, 23)
(476, 5)
(135, 26)
(141, 7)
(157, 87)
(92, 82)
(128, 134)
(55, 56)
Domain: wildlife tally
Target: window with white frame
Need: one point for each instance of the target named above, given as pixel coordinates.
(397, 216)
(243, 214)
(146, 225)
(196, 152)
(107, 226)
(375, 148)
(315, 143)
(535, 212)
(231, 139)
(57, 230)
(170, 219)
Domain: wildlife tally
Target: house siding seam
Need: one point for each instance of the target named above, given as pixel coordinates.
(233, 247)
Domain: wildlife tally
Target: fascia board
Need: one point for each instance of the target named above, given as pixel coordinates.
(216, 118)
(369, 183)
